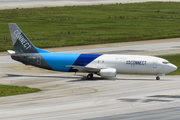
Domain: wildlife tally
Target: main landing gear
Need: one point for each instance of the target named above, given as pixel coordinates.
(89, 76)
(157, 78)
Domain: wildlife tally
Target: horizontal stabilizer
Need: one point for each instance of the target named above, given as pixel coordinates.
(12, 53)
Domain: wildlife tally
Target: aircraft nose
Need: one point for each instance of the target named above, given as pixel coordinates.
(169, 68)
(173, 67)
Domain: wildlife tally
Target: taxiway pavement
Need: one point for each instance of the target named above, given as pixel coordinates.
(65, 96)
(69, 96)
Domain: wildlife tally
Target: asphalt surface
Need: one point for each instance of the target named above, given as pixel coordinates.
(69, 96)
(65, 96)
(136, 49)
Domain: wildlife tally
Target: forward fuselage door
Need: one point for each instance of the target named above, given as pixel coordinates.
(154, 64)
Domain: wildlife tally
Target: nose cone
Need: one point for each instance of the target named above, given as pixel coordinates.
(169, 68)
(173, 67)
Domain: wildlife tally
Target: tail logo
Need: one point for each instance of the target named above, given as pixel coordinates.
(22, 39)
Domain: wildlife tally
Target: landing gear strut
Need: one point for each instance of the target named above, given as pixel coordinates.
(157, 78)
(89, 76)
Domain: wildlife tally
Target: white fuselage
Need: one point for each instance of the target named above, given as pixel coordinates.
(105, 65)
(133, 64)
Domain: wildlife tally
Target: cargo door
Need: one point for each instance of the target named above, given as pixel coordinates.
(38, 60)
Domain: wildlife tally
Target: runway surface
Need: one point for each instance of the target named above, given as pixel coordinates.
(160, 48)
(65, 96)
(12, 4)
(69, 96)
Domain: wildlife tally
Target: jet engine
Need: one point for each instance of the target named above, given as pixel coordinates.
(109, 72)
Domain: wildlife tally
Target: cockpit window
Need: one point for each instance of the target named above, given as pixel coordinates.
(165, 62)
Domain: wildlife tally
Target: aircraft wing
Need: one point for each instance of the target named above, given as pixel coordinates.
(86, 69)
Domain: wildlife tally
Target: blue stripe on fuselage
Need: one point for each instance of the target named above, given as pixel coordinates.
(64, 61)
(84, 59)
(60, 61)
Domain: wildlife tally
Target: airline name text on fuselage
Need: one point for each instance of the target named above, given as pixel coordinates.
(135, 62)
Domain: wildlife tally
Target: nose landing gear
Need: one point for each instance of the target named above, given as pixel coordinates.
(157, 78)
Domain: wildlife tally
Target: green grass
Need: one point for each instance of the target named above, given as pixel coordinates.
(81, 25)
(174, 59)
(6, 90)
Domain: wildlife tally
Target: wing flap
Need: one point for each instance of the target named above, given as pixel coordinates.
(86, 69)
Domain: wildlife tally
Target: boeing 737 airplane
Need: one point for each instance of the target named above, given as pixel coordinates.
(105, 65)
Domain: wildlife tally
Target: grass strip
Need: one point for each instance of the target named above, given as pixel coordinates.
(82, 25)
(6, 90)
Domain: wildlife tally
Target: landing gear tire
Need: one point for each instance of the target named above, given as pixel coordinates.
(157, 78)
(89, 76)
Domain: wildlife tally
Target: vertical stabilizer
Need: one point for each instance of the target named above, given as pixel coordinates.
(20, 42)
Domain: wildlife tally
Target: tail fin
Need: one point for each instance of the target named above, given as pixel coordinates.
(20, 42)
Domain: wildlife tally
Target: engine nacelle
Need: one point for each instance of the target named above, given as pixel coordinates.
(109, 72)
